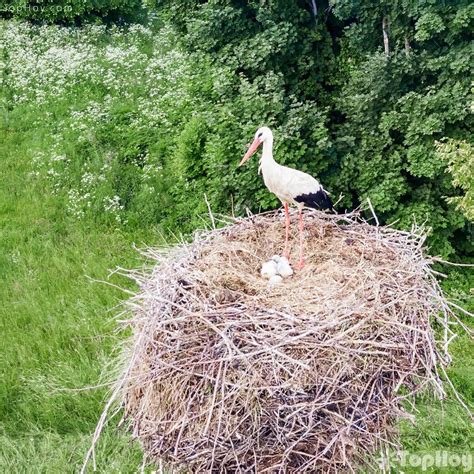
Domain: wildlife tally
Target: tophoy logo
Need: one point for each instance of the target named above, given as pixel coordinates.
(422, 461)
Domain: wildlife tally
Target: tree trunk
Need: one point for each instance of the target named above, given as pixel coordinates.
(314, 7)
(385, 27)
(407, 46)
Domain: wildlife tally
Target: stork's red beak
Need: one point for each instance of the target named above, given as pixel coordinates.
(253, 148)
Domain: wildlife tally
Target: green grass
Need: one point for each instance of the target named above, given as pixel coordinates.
(56, 327)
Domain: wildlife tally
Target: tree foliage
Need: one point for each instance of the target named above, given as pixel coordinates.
(396, 106)
(459, 155)
(362, 117)
(271, 60)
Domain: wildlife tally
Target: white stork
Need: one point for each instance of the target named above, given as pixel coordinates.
(289, 185)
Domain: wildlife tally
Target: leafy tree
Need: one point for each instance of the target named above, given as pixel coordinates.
(358, 94)
(274, 64)
(460, 158)
(395, 105)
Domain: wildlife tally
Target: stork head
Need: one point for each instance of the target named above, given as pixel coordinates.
(263, 134)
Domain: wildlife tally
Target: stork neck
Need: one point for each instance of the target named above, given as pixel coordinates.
(267, 152)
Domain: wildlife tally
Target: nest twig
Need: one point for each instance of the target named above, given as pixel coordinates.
(224, 374)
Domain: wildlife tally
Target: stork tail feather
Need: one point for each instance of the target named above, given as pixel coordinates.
(318, 200)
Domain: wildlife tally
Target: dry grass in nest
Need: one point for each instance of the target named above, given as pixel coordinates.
(225, 374)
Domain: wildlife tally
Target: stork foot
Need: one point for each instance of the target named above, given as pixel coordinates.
(300, 265)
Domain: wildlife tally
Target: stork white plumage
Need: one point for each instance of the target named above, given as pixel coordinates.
(289, 185)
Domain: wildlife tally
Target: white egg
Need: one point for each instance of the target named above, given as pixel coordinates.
(283, 268)
(275, 280)
(269, 269)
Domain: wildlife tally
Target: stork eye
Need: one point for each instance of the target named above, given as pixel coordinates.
(260, 134)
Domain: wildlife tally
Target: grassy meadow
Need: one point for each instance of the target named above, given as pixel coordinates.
(56, 325)
(88, 119)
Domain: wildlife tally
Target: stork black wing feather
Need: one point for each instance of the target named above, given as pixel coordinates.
(318, 200)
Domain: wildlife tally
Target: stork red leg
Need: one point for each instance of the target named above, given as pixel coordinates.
(286, 254)
(301, 227)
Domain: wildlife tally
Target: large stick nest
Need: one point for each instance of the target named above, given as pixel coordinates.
(228, 375)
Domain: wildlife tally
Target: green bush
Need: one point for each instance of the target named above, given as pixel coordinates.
(363, 121)
(460, 158)
(397, 106)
